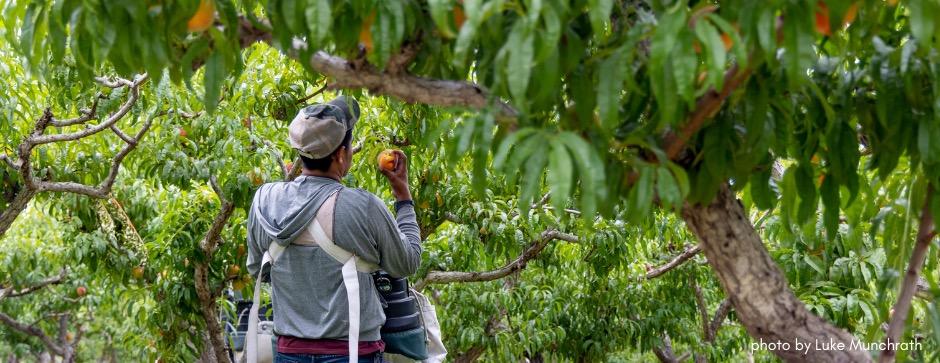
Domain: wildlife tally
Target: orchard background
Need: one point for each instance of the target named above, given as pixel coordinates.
(596, 180)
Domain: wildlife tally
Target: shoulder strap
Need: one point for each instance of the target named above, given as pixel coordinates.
(251, 340)
(321, 231)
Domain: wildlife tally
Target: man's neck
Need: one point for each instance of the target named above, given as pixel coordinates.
(323, 174)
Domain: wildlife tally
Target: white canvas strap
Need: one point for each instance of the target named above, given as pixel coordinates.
(251, 339)
(320, 233)
(321, 230)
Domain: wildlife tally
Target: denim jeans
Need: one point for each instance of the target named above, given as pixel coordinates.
(325, 358)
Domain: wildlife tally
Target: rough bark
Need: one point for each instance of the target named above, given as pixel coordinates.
(406, 87)
(675, 262)
(925, 233)
(664, 352)
(757, 288)
(14, 209)
(210, 313)
(204, 290)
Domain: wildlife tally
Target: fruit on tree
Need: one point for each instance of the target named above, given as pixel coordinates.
(138, 272)
(240, 251)
(203, 17)
(255, 178)
(81, 291)
(386, 160)
(727, 41)
(822, 17)
(233, 270)
(183, 133)
(365, 33)
(459, 16)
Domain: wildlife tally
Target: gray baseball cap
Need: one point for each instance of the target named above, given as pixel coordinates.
(319, 129)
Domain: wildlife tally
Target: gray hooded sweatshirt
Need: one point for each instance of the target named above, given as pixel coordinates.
(308, 294)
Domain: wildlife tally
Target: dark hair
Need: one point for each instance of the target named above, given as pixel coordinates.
(323, 164)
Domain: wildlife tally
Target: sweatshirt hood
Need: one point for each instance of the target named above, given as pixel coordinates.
(283, 210)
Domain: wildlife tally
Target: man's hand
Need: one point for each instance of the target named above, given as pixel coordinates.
(398, 177)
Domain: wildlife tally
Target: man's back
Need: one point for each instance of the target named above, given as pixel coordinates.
(308, 296)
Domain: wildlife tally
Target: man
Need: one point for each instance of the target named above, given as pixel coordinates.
(309, 300)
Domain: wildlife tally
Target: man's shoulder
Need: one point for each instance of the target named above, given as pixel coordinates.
(360, 196)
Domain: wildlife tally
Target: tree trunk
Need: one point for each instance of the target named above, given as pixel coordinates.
(210, 313)
(758, 289)
(16, 206)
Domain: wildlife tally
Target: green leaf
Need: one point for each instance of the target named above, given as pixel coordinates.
(922, 14)
(682, 179)
(599, 13)
(473, 9)
(830, 198)
(609, 88)
(560, 175)
(641, 196)
(807, 192)
(667, 188)
(761, 194)
(711, 40)
(798, 39)
(440, 13)
(293, 16)
(506, 145)
(534, 167)
(766, 30)
(532, 144)
(809, 261)
(591, 173)
(319, 19)
(662, 80)
(214, 77)
(521, 52)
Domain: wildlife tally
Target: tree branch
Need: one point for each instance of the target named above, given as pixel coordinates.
(8, 292)
(6, 159)
(925, 233)
(86, 115)
(312, 95)
(32, 330)
(406, 87)
(209, 243)
(104, 188)
(133, 89)
(675, 262)
(536, 247)
(665, 353)
(702, 307)
(295, 169)
(724, 308)
(705, 108)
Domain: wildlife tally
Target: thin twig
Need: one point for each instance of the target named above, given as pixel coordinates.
(925, 233)
(55, 280)
(312, 95)
(519, 263)
(675, 262)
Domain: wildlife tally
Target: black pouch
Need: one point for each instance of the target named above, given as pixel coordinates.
(403, 331)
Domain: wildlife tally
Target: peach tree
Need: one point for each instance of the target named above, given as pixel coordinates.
(794, 143)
